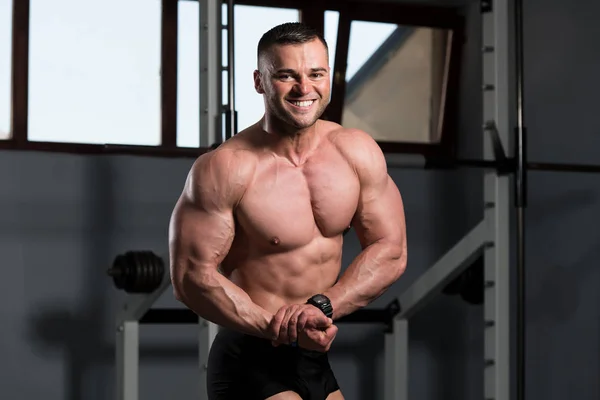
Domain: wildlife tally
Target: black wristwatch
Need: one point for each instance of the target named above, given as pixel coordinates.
(323, 303)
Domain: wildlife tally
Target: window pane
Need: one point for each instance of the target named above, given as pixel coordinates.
(251, 23)
(394, 81)
(365, 39)
(5, 55)
(95, 71)
(188, 74)
(332, 19)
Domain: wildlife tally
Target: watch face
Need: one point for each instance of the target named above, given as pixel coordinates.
(320, 299)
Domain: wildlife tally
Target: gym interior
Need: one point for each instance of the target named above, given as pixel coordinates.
(501, 150)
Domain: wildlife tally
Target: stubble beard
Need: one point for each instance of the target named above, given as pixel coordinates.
(287, 117)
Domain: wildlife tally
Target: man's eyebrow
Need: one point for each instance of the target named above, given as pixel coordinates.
(285, 71)
(291, 71)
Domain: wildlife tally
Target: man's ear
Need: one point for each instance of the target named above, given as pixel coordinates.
(258, 84)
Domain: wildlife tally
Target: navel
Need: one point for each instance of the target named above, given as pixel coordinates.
(274, 240)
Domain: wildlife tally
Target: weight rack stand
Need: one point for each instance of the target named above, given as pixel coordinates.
(491, 237)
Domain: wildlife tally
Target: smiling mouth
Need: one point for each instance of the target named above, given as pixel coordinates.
(301, 104)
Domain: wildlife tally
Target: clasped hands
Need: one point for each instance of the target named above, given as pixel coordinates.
(303, 324)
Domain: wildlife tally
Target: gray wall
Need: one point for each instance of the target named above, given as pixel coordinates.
(563, 238)
(65, 217)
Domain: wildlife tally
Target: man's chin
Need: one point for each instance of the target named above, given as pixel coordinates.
(303, 124)
(304, 121)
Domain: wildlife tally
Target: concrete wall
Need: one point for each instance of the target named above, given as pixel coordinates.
(64, 218)
(563, 240)
(62, 221)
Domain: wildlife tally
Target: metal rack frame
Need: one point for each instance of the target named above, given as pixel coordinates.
(490, 237)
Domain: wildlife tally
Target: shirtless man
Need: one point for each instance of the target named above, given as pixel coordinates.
(256, 237)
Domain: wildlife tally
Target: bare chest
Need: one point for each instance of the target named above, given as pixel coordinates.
(289, 206)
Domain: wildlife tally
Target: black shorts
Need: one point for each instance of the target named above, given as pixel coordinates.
(243, 367)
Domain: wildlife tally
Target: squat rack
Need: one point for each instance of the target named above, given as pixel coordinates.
(490, 238)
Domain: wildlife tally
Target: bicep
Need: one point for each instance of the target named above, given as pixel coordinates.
(199, 238)
(202, 225)
(380, 213)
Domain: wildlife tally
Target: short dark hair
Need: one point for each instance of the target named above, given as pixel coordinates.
(288, 33)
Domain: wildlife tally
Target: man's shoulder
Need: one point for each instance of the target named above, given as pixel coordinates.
(357, 146)
(230, 166)
(349, 137)
(235, 152)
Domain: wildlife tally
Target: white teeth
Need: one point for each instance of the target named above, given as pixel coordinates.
(302, 103)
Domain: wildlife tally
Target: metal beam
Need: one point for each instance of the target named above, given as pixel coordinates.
(127, 341)
(127, 361)
(137, 305)
(211, 65)
(207, 334)
(396, 362)
(398, 160)
(20, 71)
(431, 282)
(168, 74)
(157, 316)
(498, 110)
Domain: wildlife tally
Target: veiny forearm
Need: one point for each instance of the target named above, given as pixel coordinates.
(375, 269)
(215, 298)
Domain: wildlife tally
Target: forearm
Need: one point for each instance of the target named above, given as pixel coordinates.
(373, 271)
(215, 298)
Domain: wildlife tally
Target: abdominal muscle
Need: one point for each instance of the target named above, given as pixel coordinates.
(273, 280)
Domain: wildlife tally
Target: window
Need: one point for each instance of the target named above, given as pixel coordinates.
(188, 74)
(251, 23)
(5, 66)
(394, 81)
(94, 71)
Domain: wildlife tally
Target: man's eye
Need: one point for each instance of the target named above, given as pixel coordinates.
(284, 77)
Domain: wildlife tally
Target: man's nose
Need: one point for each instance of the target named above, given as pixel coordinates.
(303, 86)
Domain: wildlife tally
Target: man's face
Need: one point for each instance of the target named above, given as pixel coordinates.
(295, 82)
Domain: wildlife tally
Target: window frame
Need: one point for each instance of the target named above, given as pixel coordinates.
(313, 14)
(168, 97)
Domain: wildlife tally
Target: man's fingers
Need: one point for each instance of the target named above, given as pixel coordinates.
(293, 325)
(329, 334)
(302, 321)
(283, 330)
(331, 331)
(320, 339)
(318, 321)
(292, 319)
(275, 324)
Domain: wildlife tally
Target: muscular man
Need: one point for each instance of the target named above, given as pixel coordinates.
(256, 236)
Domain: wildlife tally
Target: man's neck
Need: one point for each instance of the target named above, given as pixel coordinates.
(294, 144)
